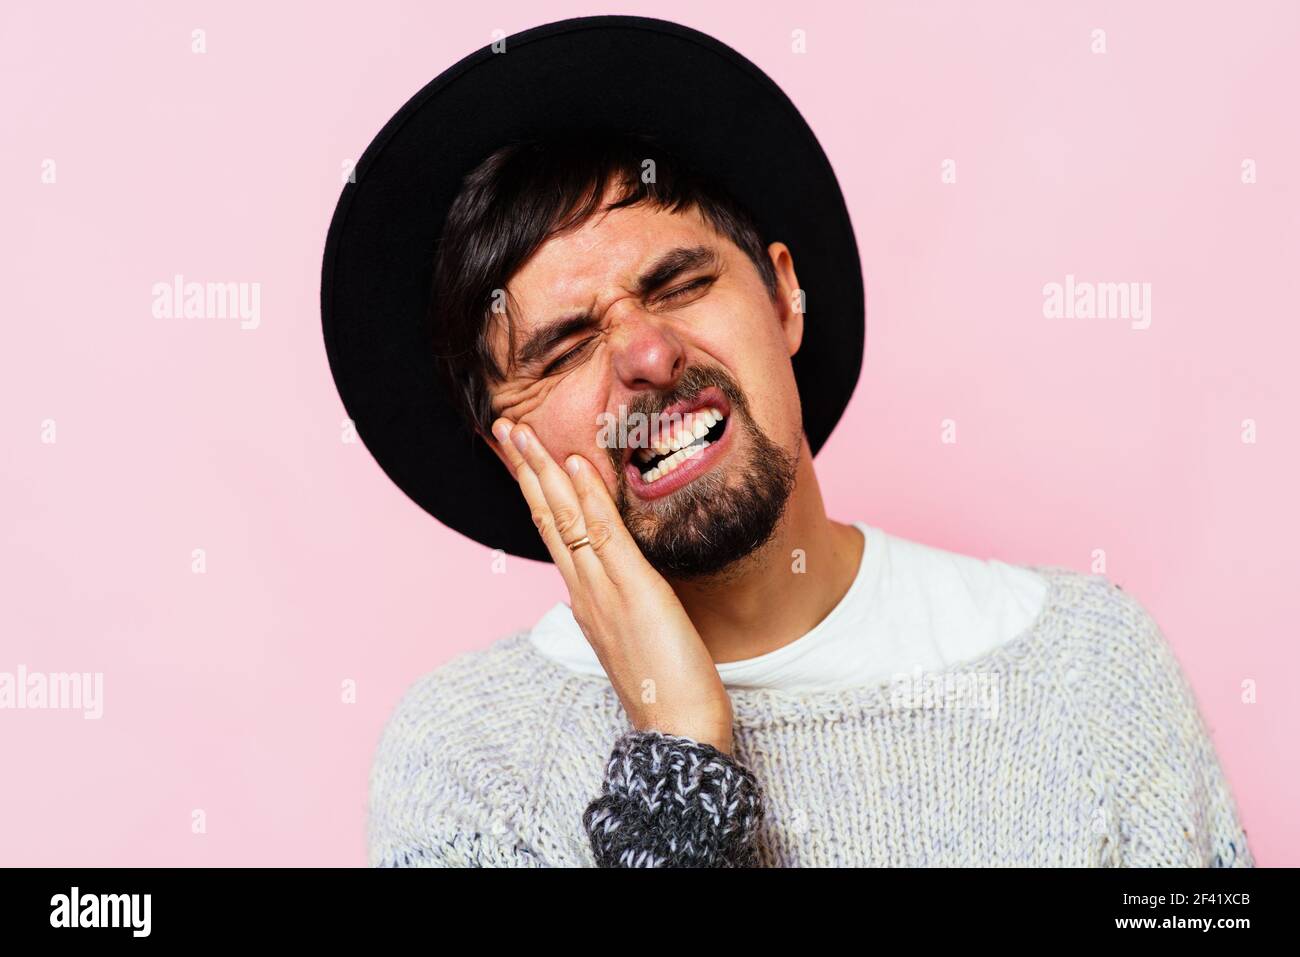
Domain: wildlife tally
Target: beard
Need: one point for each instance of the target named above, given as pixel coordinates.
(707, 527)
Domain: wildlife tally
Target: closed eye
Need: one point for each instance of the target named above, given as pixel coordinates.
(568, 358)
(681, 292)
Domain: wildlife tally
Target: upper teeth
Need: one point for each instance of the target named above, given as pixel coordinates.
(682, 445)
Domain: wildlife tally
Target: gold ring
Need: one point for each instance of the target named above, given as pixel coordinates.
(580, 542)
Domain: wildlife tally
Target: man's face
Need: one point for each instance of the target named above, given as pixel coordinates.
(673, 322)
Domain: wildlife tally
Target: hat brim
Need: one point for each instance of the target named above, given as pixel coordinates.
(701, 99)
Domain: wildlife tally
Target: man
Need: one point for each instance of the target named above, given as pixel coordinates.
(736, 679)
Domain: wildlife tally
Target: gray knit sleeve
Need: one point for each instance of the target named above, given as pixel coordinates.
(1165, 798)
(437, 796)
(672, 801)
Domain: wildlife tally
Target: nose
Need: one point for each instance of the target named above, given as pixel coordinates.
(646, 353)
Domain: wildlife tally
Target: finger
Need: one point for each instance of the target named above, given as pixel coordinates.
(562, 498)
(556, 485)
(610, 539)
(540, 510)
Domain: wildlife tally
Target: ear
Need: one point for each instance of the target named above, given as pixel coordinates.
(789, 297)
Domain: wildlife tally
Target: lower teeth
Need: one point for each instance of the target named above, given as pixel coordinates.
(690, 451)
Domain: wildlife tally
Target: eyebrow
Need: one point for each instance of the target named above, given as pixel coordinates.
(672, 264)
(657, 275)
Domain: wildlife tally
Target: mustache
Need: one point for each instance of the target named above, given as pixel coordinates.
(693, 381)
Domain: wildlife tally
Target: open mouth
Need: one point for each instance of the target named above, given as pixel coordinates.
(696, 432)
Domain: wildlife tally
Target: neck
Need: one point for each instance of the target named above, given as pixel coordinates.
(783, 590)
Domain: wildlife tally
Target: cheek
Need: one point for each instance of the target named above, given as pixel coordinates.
(740, 329)
(568, 423)
(752, 346)
(517, 403)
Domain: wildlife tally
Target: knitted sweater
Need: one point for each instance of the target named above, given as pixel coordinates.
(1077, 743)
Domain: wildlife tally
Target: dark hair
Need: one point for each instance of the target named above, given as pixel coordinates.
(520, 196)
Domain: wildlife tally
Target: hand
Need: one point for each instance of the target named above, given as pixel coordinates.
(647, 644)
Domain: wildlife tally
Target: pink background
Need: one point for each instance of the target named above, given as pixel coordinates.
(222, 690)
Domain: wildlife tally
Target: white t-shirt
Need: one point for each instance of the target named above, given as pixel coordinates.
(910, 606)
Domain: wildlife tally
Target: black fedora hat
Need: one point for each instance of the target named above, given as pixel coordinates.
(701, 99)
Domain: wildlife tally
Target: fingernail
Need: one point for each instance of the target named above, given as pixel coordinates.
(501, 430)
(571, 464)
(521, 440)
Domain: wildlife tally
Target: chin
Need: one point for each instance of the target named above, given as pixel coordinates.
(708, 525)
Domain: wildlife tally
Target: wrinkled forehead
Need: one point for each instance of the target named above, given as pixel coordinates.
(593, 264)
